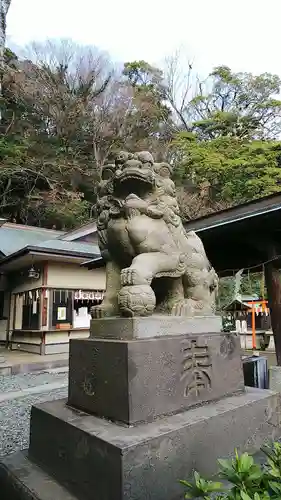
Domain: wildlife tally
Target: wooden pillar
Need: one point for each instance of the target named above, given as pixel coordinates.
(254, 344)
(273, 285)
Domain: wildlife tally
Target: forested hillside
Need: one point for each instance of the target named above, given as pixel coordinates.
(66, 109)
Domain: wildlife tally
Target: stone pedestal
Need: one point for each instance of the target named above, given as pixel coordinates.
(136, 418)
(132, 381)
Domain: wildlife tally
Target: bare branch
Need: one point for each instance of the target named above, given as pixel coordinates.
(180, 84)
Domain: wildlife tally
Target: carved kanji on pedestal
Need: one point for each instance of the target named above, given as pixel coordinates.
(196, 368)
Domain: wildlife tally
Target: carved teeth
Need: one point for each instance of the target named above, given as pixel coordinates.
(135, 177)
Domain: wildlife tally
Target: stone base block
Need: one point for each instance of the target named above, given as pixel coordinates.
(153, 326)
(134, 381)
(100, 460)
(275, 378)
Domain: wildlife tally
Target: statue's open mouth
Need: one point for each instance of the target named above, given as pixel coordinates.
(139, 182)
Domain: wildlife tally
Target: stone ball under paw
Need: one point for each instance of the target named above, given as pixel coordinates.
(136, 300)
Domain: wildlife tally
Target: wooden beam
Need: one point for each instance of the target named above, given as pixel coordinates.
(273, 285)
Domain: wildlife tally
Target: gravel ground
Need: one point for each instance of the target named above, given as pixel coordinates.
(15, 413)
(25, 380)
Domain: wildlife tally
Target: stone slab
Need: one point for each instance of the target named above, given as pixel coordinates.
(21, 479)
(47, 363)
(153, 326)
(94, 458)
(139, 380)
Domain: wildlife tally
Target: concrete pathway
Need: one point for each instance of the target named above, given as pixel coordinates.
(22, 362)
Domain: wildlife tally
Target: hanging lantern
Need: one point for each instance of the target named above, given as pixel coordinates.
(32, 274)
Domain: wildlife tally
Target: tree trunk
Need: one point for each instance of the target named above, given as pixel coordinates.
(4, 7)
(273, 285)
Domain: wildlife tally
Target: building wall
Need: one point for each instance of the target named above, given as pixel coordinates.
(68, 276)
(19, 281)
(56, 275)
(55, 342)
(3, 281)
(3, 329)
(4, 321)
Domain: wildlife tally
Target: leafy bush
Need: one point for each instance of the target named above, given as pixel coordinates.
(248, 480)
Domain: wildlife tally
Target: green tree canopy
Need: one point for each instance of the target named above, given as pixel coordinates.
(237, 105)
(66, 109)
(235, 170)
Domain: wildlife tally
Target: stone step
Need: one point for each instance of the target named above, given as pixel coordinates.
(20, 479)
(93, 457)
(88, 454)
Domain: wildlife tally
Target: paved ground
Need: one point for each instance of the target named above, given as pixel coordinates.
(13, 362)
(17, 394)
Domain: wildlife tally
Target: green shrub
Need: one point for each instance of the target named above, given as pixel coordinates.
(247, 479)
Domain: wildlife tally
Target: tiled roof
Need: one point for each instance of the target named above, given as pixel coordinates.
(70, 246)
(79, 232)
(248, 298)
(14, 237)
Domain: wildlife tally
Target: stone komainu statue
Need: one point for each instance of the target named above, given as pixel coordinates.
(152, 263)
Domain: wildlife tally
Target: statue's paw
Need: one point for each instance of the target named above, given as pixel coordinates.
(130, 277)
(95, 312)
(102, 311)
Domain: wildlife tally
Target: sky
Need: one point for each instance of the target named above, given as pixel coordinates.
(243, 34)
